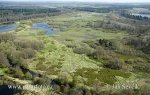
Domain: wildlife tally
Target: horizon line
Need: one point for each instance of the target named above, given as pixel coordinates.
(76, 1)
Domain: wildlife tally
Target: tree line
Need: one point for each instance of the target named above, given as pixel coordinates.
(92, 9)
(8, 14)
(132, 16)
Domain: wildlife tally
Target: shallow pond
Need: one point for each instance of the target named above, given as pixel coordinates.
(37, 26)
(44, 26)
(7, 28)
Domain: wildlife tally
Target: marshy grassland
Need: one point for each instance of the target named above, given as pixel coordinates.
(90, 54)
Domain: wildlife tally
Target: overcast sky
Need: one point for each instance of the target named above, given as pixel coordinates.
(120, 1)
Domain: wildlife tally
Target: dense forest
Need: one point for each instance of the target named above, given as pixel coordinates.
(99, 10)
(11, 14)
(134, 16)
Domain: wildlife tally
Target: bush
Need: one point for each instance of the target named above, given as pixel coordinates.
(99, 53)
(142, 68)
(14, 57)
(114, 64)
(81, 50)
(141, 65)
(105, 43)
(3, 59)
(76, 91)
(4, 37)
(28, 53)
(91, 44)
(38, 80)
(28, 75)
(140, 42)
(24, 43)
(19, 73)
(130, 61)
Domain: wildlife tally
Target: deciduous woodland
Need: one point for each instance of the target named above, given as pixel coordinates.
(75, 49)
